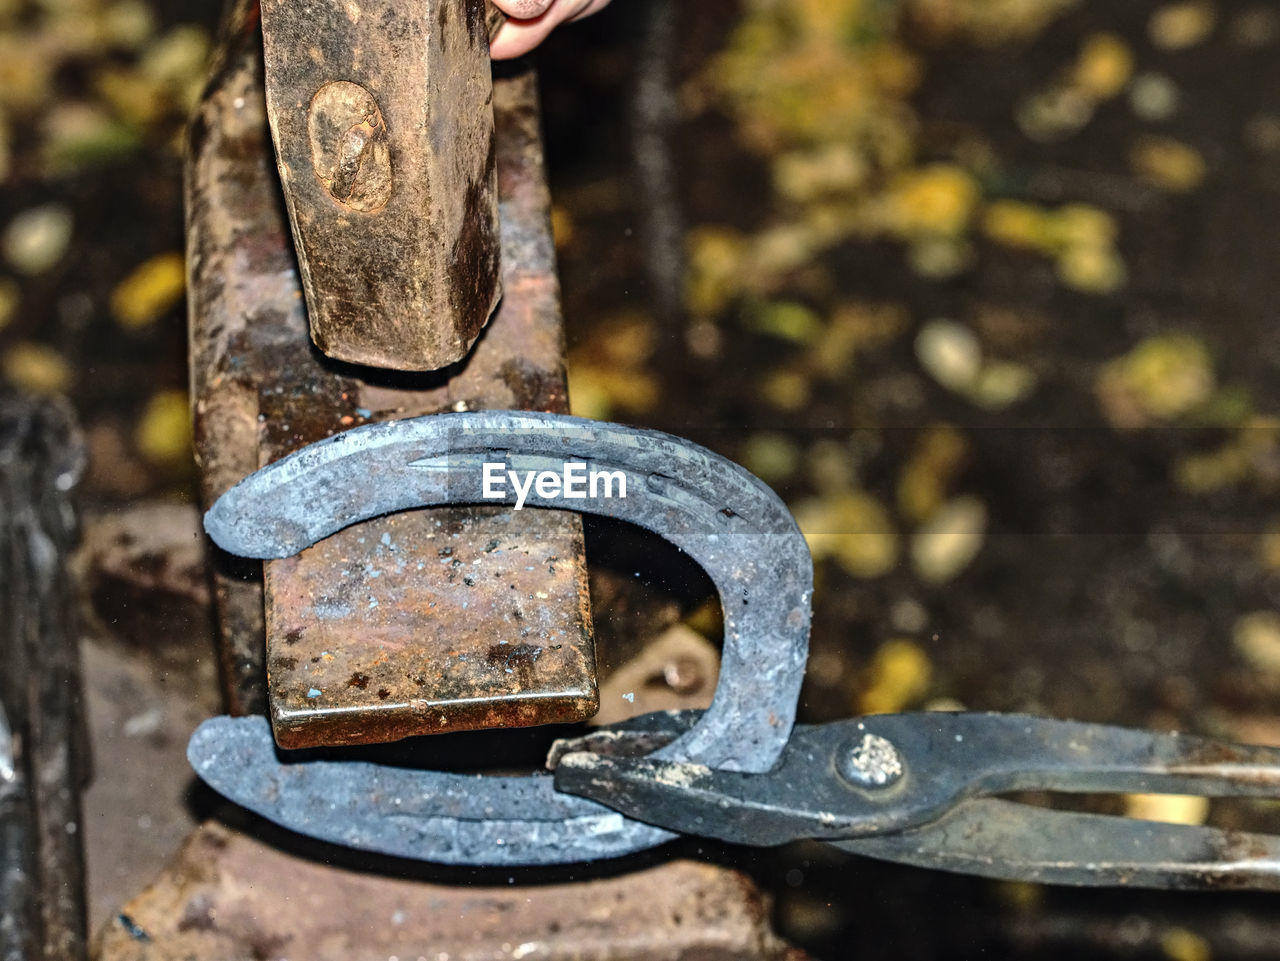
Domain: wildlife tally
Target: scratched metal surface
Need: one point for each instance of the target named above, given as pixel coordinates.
(260, 391)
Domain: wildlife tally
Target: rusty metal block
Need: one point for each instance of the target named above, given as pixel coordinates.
(231, 896)
(382, 117)
(455, 629)
(260, 391)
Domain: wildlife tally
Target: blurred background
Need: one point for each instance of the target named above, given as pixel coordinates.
(983, 288)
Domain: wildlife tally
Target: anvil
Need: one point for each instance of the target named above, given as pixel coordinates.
(362, 646)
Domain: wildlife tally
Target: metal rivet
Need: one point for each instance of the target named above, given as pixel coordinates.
(873, 762)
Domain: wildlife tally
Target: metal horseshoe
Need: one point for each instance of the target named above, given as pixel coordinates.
(727, 520)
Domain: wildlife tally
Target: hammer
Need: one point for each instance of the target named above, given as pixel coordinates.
(382, 116)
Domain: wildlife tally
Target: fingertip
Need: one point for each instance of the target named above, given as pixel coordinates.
(516, 39)
(588, 8)
(523, 9)
(506, 45)
(533, 21)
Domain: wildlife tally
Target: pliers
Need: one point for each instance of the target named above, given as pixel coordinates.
(924, 789)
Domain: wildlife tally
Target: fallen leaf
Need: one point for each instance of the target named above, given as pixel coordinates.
(163, 434)
(154, 288)
(949, 351)
(853, 529)
(1168, 164)
(1178, 26)
(1104, 66)
(38, 238)
(37, 368)
(1181, 944)
(1257, 638)
(771, 457)
(1163, 378)
(898, 676)
(948, 541)
(1153, 97)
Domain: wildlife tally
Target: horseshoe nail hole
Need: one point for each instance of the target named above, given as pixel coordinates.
(657, 482)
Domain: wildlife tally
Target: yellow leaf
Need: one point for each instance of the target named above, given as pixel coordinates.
(1163, 378)
(37, 368)
(989, 23)
(1073, 226)
(950, 352)
(1001, 384)
(562, 226)
(1269, 547)
(1178, 26)
(589, 392)
(1257, 638)
(1168, 164)
(36, 240)
(137, 100)
(853, 529)
(937, 199)
(786, 320)
(948, 541)
(1018, 224)
(163, 434)
(922, 485)
(787, 390)
(714, 274)
(1104, 66)
(1092, 270)
(153, 289)
(807, 175)
(771, 457)
(900, 674)
(1180, 944)
(627, 341)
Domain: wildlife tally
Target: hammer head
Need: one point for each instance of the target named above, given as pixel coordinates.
(382, 117)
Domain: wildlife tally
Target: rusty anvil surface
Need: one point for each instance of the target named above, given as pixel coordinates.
(229, 895)
(427, 621)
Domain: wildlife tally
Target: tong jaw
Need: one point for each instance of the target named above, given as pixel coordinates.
(920, 789)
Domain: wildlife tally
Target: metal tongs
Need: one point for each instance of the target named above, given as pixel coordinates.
(922, 789)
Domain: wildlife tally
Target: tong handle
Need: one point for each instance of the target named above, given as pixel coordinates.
(994, 838)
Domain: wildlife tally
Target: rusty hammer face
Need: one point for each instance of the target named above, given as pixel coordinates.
(382, 117)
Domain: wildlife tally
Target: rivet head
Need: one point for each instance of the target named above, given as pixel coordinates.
(872, 762)
(349, 149)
